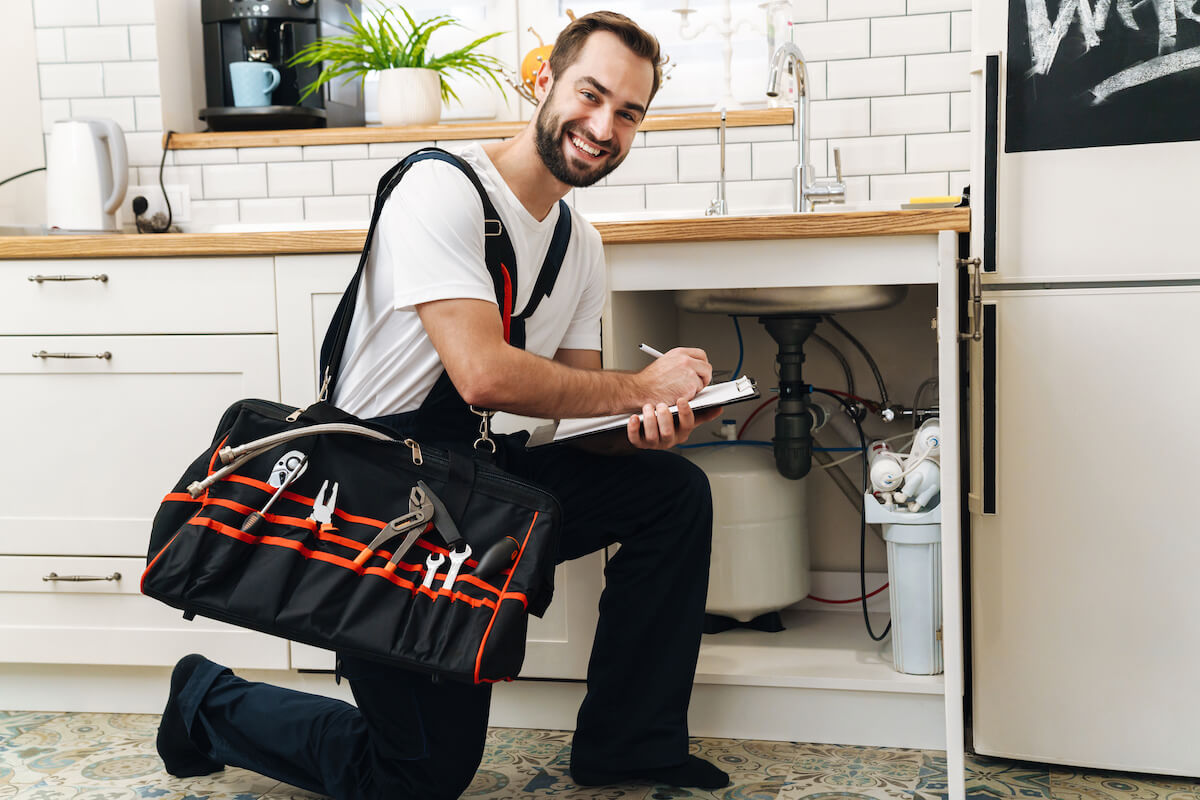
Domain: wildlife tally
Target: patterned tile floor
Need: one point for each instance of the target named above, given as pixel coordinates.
(47, 756)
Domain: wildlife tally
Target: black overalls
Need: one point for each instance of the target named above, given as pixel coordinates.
(412, 737)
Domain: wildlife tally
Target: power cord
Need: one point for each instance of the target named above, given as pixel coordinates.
(22, 174)
(140, 204)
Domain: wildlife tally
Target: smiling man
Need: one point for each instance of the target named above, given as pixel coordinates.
(426, 345)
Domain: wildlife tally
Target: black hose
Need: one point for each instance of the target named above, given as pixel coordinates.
(862, 531)
(22, 174)
(821, 340)
(883, 395)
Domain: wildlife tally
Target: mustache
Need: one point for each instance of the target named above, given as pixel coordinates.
(608, 144)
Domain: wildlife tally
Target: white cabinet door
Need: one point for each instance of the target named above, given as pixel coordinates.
(93, 444)
(73, 610)
(308, 288)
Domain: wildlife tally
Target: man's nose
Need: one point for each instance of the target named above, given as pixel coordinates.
(600, 126)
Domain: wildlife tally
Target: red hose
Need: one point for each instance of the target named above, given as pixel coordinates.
(855, 600)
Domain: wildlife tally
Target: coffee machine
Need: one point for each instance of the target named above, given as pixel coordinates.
(272, 31)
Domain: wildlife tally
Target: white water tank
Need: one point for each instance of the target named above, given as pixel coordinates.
(760, 560)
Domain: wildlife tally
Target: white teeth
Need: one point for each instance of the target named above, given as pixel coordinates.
(584, 146)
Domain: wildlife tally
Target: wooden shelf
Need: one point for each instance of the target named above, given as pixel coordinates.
(466, 130)
(703, 229)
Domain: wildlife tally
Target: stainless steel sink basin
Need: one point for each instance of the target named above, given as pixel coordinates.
(790, 299)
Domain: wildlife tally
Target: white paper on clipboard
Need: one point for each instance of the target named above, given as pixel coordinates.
(545, 431)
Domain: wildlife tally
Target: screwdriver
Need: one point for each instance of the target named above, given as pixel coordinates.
(255, 516)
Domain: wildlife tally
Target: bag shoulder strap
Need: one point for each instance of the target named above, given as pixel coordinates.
(499, 256)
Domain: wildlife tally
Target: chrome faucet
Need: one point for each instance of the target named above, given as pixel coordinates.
(718, 207)
(806, 193)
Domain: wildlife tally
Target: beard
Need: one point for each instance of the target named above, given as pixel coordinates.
(549, 137)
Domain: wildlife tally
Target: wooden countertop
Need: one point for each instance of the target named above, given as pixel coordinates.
(455, 131)
(702, 229)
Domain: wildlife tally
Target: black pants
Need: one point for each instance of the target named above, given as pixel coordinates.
(410, 737)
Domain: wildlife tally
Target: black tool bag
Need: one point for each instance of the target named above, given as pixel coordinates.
(322, 528)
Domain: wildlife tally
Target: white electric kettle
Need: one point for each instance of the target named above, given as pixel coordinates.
(87, 173)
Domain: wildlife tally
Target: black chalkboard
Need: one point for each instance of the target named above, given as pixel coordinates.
(1071, 95)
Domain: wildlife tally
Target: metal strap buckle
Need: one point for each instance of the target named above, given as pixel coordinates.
(485, 440)
(488, 230)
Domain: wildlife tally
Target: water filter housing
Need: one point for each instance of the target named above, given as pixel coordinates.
(760, 552)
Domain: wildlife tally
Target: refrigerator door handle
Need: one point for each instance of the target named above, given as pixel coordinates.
(991, 158)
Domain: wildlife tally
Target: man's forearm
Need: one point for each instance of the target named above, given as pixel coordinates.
(523, 383)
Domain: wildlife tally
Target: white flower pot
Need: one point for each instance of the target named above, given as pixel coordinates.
(410, 96)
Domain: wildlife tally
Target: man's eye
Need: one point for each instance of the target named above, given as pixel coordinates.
(628, 116)
(588, 95)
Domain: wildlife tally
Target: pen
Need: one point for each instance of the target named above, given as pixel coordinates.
(645, 348)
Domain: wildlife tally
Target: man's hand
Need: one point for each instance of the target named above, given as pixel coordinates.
(657, 429)
(680, 373)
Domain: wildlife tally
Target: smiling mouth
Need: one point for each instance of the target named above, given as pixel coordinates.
(583, 147)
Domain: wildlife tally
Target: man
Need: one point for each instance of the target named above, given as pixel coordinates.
(426, 307)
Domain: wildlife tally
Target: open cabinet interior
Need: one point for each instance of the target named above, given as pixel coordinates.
(824, 648)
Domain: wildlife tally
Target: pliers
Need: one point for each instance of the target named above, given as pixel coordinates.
(417, 521)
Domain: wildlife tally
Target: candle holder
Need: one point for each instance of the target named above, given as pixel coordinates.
(725, 28)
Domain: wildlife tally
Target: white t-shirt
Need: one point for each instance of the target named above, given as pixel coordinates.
(429, 245)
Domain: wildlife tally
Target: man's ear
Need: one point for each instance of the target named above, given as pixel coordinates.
(542, 82)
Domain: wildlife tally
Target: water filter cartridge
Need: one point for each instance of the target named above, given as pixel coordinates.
(885, 471)
(928, 440)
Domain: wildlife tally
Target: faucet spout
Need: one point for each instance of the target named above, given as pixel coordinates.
(788, 58)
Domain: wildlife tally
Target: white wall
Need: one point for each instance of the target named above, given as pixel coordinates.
(22, 201)
(889, 82)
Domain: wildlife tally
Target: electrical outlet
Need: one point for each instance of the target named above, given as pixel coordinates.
(181, 204)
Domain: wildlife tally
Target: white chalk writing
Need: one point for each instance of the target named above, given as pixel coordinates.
(1045, 38)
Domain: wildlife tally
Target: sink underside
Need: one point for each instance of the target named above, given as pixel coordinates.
(790, 299)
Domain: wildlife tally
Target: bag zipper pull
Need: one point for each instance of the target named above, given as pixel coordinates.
(416, 451)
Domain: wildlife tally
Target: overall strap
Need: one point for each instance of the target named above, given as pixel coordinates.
(498, 250)
(551, 266)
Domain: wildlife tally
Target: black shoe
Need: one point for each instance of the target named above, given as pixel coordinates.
(180, 756)
(695, 772)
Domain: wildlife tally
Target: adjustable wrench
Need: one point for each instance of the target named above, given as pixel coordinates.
(256, 516)
(456, 561)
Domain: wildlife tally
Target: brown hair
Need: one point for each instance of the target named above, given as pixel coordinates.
(641, 42)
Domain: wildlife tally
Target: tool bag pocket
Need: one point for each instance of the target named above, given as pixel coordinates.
(282, 526)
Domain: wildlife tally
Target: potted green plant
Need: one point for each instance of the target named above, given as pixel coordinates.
(413, 83)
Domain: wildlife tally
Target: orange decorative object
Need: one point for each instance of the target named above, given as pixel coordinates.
(533, 62)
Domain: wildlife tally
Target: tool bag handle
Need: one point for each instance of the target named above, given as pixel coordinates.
(498, 254)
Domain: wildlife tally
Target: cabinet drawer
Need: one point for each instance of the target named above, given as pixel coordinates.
(143, 295)
(109, 621)
(92, 445)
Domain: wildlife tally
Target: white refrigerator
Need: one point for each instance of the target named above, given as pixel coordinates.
(1084, 385)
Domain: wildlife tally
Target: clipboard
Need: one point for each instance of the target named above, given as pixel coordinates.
(547, 431)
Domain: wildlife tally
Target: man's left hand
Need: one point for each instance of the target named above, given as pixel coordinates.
(657, 428)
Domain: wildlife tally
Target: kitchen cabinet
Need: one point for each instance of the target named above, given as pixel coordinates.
(821, 681)
(95, 440)
(309, 288)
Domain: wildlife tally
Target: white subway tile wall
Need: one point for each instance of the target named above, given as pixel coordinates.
(887, 80)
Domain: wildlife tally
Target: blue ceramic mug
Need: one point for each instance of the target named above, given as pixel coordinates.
(253, 82)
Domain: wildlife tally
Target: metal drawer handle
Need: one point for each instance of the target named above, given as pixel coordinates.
(103, 278)
(53, 576)
(106, 355)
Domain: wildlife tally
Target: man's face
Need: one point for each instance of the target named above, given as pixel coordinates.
(588, 118)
